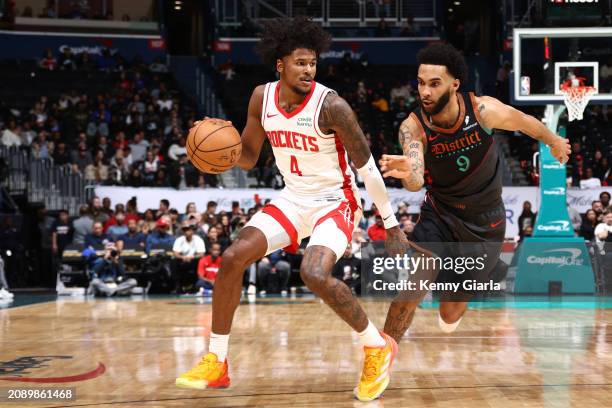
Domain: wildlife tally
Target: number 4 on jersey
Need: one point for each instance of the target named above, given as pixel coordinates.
(294, 166)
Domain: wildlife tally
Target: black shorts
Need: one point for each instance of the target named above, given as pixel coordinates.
(453, 233)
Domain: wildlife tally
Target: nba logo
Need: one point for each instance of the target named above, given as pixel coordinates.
(525, 85)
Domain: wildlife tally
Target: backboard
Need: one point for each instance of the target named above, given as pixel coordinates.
(544, 58)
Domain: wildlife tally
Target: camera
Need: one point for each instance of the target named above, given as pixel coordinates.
(114, 253)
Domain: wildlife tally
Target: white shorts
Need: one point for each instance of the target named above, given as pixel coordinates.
(287, 220)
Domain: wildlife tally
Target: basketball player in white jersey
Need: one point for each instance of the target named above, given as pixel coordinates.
(311, 130)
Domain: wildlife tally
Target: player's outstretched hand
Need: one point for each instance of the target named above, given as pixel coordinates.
(396, 242)
(561, 149)
(395, 166)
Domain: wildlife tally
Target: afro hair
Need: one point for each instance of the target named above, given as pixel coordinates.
(447, 55)
(280, 37)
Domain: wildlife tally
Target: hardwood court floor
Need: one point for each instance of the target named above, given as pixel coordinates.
(297, 353)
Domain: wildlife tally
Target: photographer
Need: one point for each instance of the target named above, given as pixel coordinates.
(107, 273)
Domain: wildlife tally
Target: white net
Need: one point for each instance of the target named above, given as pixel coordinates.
(576, 100)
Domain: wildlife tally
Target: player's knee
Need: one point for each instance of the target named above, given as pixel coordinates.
(233, 261)
(313, 276)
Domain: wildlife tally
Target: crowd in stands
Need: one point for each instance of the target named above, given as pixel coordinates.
(132, 134)
(593, 225)
(197, 239)
(77, 10)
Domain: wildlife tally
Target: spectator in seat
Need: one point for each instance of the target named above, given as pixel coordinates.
(81, 157)
(598, 207)
(48, 62)
(164, 208)
(190, 209)
(158, 66)
(60, 154)
(118, 171)
(273, 273)
(213, 237)
(67, 61)
(177, 149)
(604, 197)
(188, 249)
(526, 219)
(139, 147)
(118, 228)
(11, 135)
(587, 228)
(150, 167)
(82, 225)
(380, 103)
(133, 237)
(62, 233)
(208, 267)
(589, 181)
(175, 224)
(348, 270)
(160, 236)
(603, 229)
(107, 207)
(97, 171)
(377, 231)
(97, 238)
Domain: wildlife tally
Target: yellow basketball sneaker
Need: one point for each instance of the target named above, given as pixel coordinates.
(209, 373)
(376, 372)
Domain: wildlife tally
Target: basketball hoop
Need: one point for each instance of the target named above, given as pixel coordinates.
(576, 99)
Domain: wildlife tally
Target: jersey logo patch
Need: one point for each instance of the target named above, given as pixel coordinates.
(271, 116)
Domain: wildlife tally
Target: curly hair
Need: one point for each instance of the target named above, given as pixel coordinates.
(280, 37)
(447, 55)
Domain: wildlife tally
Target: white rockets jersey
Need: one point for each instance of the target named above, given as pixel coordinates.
(314, 165)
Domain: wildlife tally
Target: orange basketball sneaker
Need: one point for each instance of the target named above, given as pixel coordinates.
(209, 373)
(376, 372)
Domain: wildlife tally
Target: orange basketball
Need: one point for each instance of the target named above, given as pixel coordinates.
(213, 146)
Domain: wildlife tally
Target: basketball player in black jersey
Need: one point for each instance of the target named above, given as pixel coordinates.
(451, 136)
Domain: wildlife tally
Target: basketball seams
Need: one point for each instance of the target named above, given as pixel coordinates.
(222, 148)
(208, 135)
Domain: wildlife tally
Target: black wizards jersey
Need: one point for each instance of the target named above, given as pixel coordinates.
(463, 161)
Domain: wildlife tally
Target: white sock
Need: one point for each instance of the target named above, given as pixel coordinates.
(448, 327)
(371, 337)
(218, 345)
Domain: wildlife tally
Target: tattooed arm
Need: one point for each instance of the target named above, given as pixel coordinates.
(338, 117)
(497, 115)
(410, 167)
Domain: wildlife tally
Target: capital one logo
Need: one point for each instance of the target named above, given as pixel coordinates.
(557, 191)
(560, 257)
(558, 226)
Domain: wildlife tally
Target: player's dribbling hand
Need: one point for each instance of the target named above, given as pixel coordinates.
(197, 122)
(561, 149)
(395, 166)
